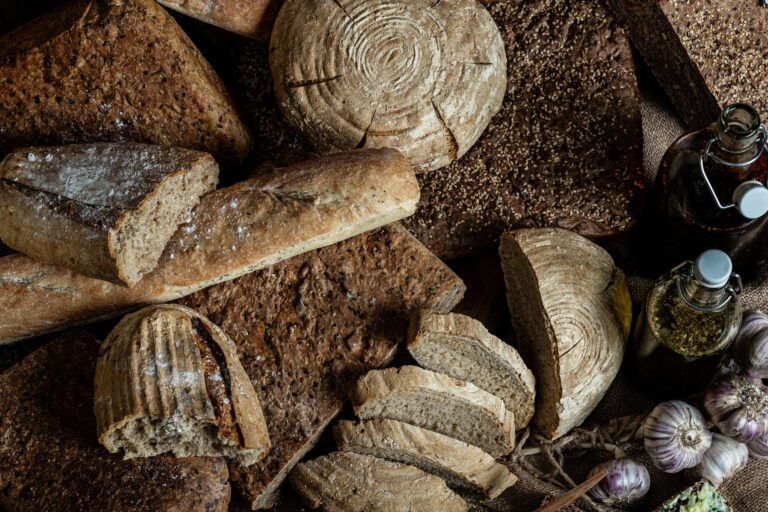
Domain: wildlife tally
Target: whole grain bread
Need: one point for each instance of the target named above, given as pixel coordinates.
(461, 465)
(436, 402)
(249, 18)
(104, 210)
(350, 482)
(308, 327)
(233, 231)
(113, 70)
(462, 348)
(50, 458)
(706, 54)
(169, 380)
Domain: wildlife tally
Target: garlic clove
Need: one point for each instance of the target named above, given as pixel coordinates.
(739, 406)
(752, 343)
(676, 436)
(758, 447)
(625, 485)
(724, 459)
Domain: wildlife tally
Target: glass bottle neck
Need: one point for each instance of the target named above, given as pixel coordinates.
(699, 295)
(737, 134)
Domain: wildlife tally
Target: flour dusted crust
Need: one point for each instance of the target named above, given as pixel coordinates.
(421, 76)
(233, 231)
(249, 18)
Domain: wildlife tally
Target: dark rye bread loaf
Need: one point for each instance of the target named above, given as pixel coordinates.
(308, 327)
(565, 149)
(113, 70)
(705, 53)
(50, 458)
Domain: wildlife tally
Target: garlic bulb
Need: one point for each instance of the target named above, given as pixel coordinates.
(625, 486)
(676, 436)
(724, 459)
(739, 407)
(752, 343)
(758, 447)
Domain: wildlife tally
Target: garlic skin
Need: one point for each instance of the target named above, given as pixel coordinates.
(725, 458)
(751, 343)
(676, 436)
(625, 486)
(739, 406)
(758, 447)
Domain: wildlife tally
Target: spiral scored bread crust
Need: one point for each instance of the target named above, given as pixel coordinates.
(422, 76)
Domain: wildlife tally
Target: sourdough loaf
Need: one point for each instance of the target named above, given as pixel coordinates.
(422, 77)
(169, 380)
(350, 482)
(104, 210)
(249, 18)
(439, 403)
(461, 465)
(308, 327)
(706, 54)
(233, 231)
(462, 348)
(50, 458)
(113, 70)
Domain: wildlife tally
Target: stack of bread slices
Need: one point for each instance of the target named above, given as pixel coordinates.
(444, 424)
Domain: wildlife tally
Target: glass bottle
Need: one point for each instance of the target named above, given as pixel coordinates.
(711, 193)
(688, 321)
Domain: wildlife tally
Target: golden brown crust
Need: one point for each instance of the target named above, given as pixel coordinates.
(249, 18)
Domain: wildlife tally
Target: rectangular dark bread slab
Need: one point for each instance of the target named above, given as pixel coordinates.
(113, 70)
(306, 328)
(705, 53)
(233, 231)
(50, 458)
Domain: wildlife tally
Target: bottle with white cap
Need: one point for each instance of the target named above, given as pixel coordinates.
(689, 319)
(712, 192)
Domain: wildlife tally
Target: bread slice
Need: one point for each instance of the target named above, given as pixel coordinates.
(695, 51)
(104, 210)
(249, 18)
(233, 231)
(571, 311)
(439, 403)
(461, 465)
(350, 482)
(169, 380)
(50, 457)
(307, 328)
(112, 71)
(462, 348)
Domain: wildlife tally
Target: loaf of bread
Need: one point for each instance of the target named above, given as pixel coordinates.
(249, 18)
(113, 70)
(308, 327)
(439, 403)
(705, 54)
(461, 465)
(233, 231)
(422, 77)
(170, 381)
(104, 210)
(50, 457)
(462, 348)
(350, 482)
(571, 312)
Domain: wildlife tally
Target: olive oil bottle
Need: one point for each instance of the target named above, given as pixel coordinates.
(688, 321)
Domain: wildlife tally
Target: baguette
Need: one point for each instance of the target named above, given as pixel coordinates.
(233, 231)
(104, 210)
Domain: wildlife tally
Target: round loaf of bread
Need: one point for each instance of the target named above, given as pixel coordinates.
(422, 76)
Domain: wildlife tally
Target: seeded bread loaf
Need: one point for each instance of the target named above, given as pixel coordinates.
(50, 458)
(170, 381)
(436, 402)
(349, 482)
(706, 53)
(461, 465)
(104, 210)
(113, 70)
(308, 327)
(462, 348)
(249, 18)
(233, 231)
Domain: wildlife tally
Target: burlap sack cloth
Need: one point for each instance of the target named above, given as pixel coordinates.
(747, 491)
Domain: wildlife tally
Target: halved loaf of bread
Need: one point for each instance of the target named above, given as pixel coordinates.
(439, 403)
(350, 482)
(462, 348)
(103, 210)
(461, 465)
(169, 380)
